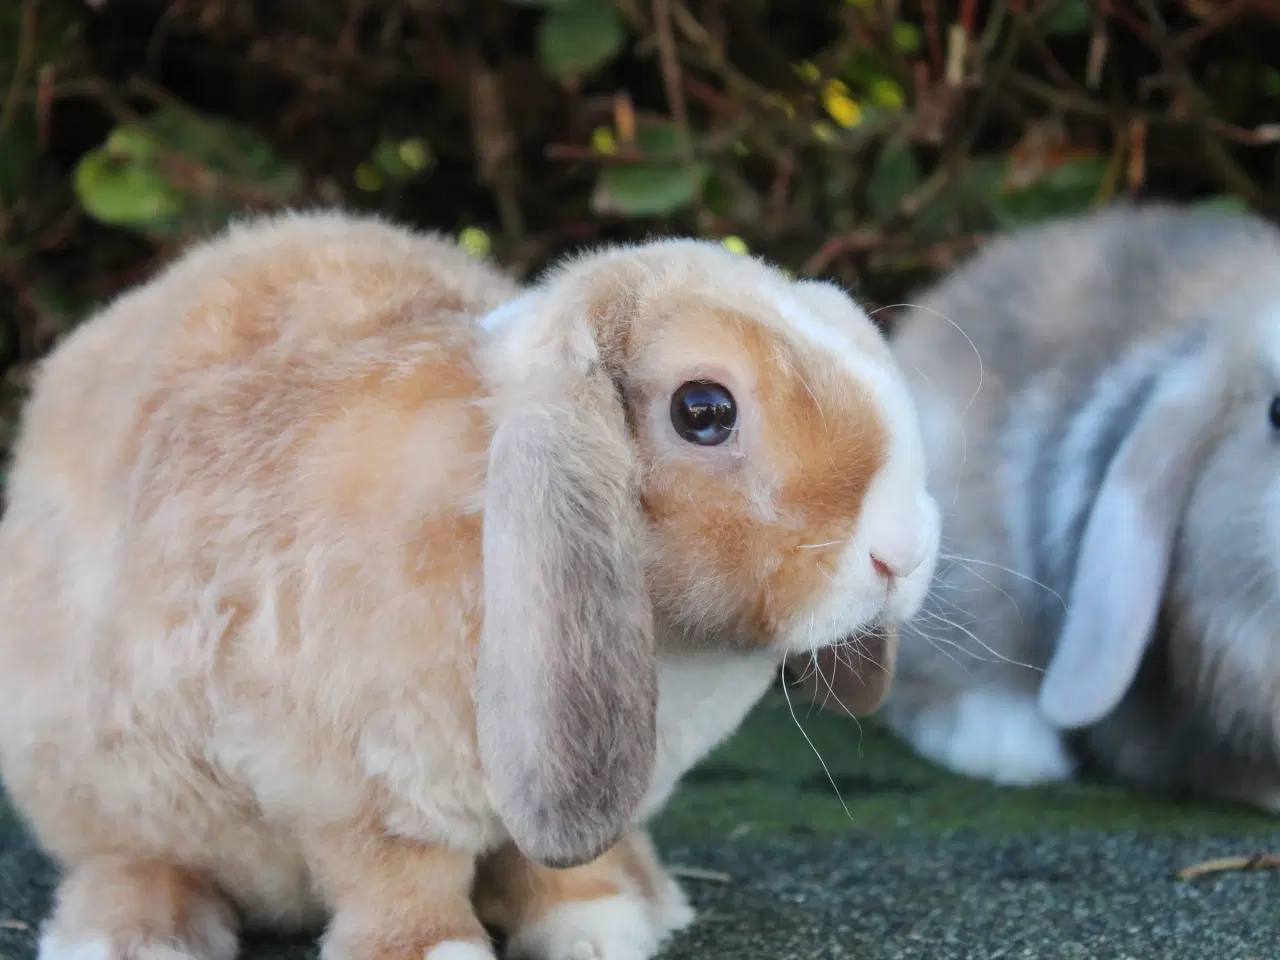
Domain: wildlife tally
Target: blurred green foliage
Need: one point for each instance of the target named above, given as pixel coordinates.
(870, 141)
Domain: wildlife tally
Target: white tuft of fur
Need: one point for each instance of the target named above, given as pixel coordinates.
(212, 936)
(674, 911)
(992, 734)
(206, 936)
(52, 948)
(509, 312)
(610, 928)
(459, 950)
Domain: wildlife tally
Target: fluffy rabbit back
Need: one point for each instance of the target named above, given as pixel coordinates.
(208, 435)
(1073, 380)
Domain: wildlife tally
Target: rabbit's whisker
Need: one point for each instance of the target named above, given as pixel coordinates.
(974, 637)
(812, 746)
(966, 561)
(938, 643)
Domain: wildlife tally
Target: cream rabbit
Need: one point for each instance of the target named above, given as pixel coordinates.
(338, 572)
(1109, 477)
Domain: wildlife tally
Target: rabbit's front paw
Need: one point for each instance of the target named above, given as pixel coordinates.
(609, 928)
(992, 734)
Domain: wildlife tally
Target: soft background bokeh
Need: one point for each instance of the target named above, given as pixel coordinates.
(872, 141)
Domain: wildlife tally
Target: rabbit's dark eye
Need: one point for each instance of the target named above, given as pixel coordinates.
(1274, 413)
(703, 412)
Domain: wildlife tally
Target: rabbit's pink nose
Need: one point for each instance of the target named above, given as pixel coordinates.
(881, 568)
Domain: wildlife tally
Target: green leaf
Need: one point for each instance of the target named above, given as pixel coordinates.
(578, 36)
(651, 189)
(895, 174)
(906, 37)
(131, 142)
(1069, 17)
(115, 191)
(661, 184)
(226, 148)
(179, 171)
(401, 160)
(1071, 187)
(966, 203)
(658, 140)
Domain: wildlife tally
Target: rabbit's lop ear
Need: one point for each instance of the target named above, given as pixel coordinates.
(1128, 541)
(566, 689)
(852, 679)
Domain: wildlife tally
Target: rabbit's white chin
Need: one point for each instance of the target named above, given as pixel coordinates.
(860, 596)
(855, 605)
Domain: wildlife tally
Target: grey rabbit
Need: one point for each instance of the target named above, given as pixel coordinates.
(1100, 402)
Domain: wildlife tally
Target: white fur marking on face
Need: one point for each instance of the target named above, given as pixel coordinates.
(821, 334)
(849, 606)
(897, 407)
(609, 928)
(899, 518)
(459, 950)
(991, 734)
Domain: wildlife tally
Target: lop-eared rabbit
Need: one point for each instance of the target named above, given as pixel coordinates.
(1109, 478)
(345, 582)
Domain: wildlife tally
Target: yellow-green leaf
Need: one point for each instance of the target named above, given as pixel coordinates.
(843, 109)
(415, 153)
(122, 193)
(367, 178)
(886, 92)
(906, 37)
(603, 141)
(475, 241)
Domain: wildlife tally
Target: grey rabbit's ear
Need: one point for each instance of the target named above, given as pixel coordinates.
(1128, 542)
(853, 679)
(566, 679)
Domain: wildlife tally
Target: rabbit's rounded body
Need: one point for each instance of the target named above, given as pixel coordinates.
(288, 625)
(217, 731)
(1127, 361)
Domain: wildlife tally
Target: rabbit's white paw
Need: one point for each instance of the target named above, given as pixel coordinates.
(610, 928)
(992, 734)
(459, 950)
